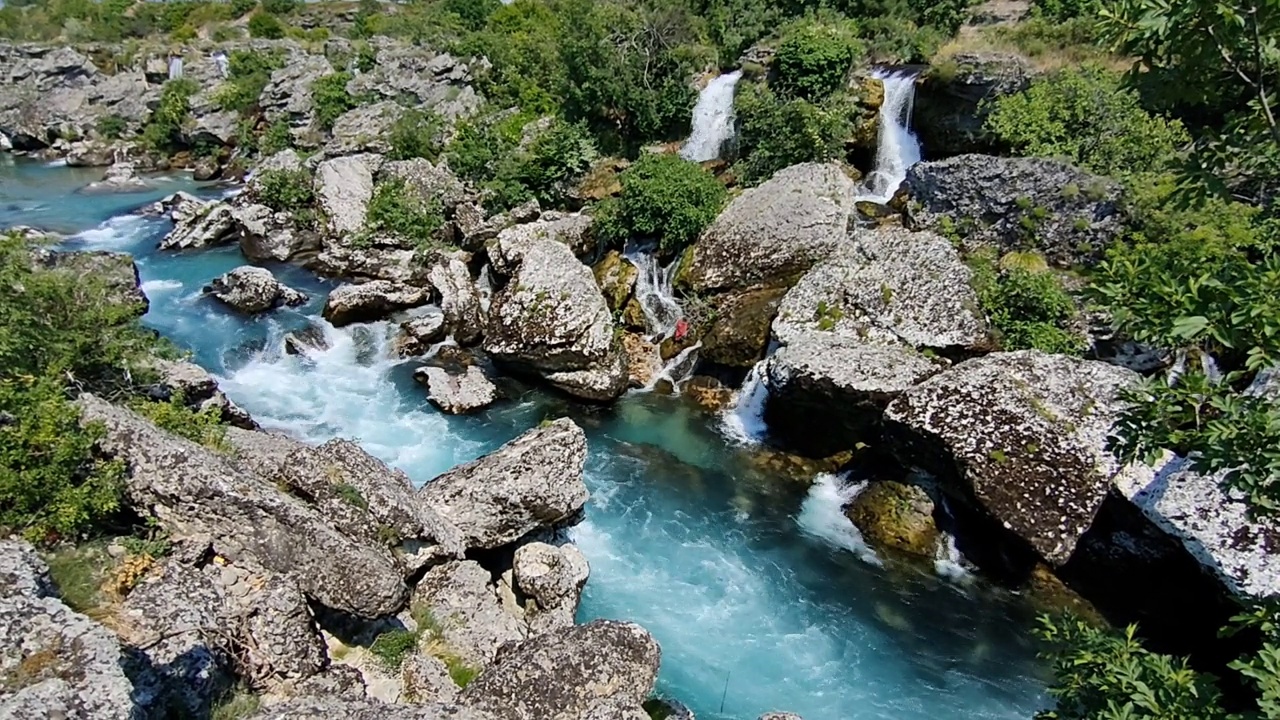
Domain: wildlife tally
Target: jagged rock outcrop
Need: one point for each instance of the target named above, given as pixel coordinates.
(774, 232)
(329, 707)
(533, 482)
(573, 670)
(266, 235)
(459, 299)
(364, 129)
(288, 96)
(1065, 214)
(253, 290)
(200, 226)
(472, 623)
(56, 662)
(382, 259)
(550, 316)
(198, 389)
(1021, 433)
(953, 100)
(369, 301)
(194, 489)
(423, 328)
(344, 186)
(827, 393)
(458, 393)
(551, 578)
(116, 271)
(438, 81)
(426, 182)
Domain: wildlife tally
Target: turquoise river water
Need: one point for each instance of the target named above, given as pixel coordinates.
(759, 591)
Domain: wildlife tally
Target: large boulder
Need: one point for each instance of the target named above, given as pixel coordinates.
(426, 181)
(1065, 214)
(364, 129)
(287, 96)
(200, 226)
(57, 662)
(774, 232)
(344, 186)
(459, 299)
(739, 335)
(193, 489)
(381, 259)
(458, 393)
(551, 318)
(533, 482)
(371, 301)
(1024, 434)
(253, 290)
(955, 96)
(470, 620)
(551, 578)
(897, 515)
(267, 235)
(563, 674)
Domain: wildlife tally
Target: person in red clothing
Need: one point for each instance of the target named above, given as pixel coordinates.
(682, 328)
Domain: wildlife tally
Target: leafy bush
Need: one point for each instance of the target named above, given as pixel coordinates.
(1063, 10)
(240, 7)
(1085, 116)
(275, 138)
(280, 7)
(1026, 305)
(164, 128)
(664, 198)
(331, 99)
(556, 157)
(393, 646)
(351, 495)
(776, 133)
(111, 127)
(397, 211)
(199, 426)
(472, 13)
(287, 190)
(814, 59)
(266, 26)
(248, 72)
(416, 135)
(517, 158)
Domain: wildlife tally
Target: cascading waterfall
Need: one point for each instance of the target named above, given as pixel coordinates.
(743, 422)
(897, 147)
(654, 293)
(712, 119)
(947, 560)
(822, 515)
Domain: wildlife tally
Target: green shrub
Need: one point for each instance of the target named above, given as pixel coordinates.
(351, 495)
(416, 134)
(248, 72)
(556, 157)
(78, 572)
(240, 7)
(266, 26)
(473, 13)
(186, 33)
(664, 198)
(277, 137)
(280, 7)
(331, 99)
(111, 127)
(1026, 305)
(1063, 10)
(1087, 117)
(814, 59)
(238, 703)
(285, 190)
(393, 646)
(397, 211)
(460, 671)
(163, 130)
(776, 133)
(199, 426)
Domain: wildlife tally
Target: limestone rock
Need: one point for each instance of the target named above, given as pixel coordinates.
(286, 643)
(953, 100)
(553, 578)
(1066, 214)
(287, 96)
(827, 393)
(436, 81)
(773, 232)
(472, 623)
(116, 271)
(1024, 433)
(887, 286)
(572, 669)
(383, 260)
(551, 318)
(426, 679)
(121, 177)
(533, 482)
(644, 363)
(739, 336)
(616, 278)
(458, 393)
(328, 708)
(191, 488)
(459, 299)
(253, 290)
(266, 235)
(426, 181)
(199, 390)
(364, 129)
(420, 332)
(344, 186)
(370, 301)
(897, 515)
(194, 228)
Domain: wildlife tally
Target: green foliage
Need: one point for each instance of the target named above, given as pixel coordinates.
(1026, 305)
(521, 40)
(1086, 116)
(287, 190)
(393, 646)
(111, 127)
(266, 26)
(351, 495)
(275, 138)
(472, 13)
(416, 134)
(78, 572)
(775, 133)
(1063, 10)
(331, 99)
(174, 416)
(240, 7)
(163, 130)
(238, 703)
(515, 161)
(280, 7)
(248, 72)
(395, 210)
(460, 671)
(814, 59)
(664, 198)
(558, 155)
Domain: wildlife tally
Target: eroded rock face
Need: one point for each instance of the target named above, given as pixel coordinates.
(531, 483)
(329, 707)
(1067, 215)
(427, 181)
(458, 393)
(438, 81)
(551, 318)
(344, 186)
(951, 107)
(266, 235)
(472, 622)
(459, 300)
(57, 662)
(740, 334)
(552, 578)
(191, 489)
(773, 232)
(573, 670)
(203, 226)
(287, 97)
(827, 393)
(253, 290)
(1023, 432)
(370, 301)
(364, 129)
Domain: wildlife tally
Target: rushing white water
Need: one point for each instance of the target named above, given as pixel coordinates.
(678, 368)
(654, 293)
(822, 515)
(896, 147)
(947, 560)
(743, 422)
(712, 119)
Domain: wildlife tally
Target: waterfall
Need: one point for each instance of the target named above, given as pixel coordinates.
(653, 292)
(897, 147)
(712, 119)
(822, 515)
(743, 422)
(175, 68)
(948, 563)
(678, 369)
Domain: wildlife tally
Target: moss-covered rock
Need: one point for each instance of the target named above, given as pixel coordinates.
(707, 392)
(616, 278)
(896, 515)
(739, 335)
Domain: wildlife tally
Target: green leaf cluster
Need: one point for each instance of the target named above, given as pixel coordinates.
(248, 72)
(517, 158)
(1027, 306)
(265, 26)
(395, 210)
(284, 190)
(815, 58)
(164, 129)
(416, 134)
(775, 132)
(665, 199)
(330, 98)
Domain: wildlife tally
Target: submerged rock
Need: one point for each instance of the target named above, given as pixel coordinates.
(370, 301)
(458, 393)
(533, 482)
(1066, 214)
(253, 290)
(774, 232)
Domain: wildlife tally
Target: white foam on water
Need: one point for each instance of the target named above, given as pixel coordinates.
(743, 421)
(152, 287)
(822, 515)
(712, 123)
(678, 368)
(118, 232)
(897, 147)
(655, 294)
(948, 563)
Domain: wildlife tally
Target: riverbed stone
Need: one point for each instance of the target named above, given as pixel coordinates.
(552, 578)
(253, 290)
(895, 515)
(458, 393)
(459, 299)
(370, 301)
(196, 227)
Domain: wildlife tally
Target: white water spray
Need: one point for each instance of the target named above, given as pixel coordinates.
(822, 515)
(712, 119)
(678, 369)
(897, 147)
(743, 422)
(948, 563)
(654, 293)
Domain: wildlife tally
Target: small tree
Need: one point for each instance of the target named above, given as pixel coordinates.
(265, 25)
(664, 198)
(814, 59)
